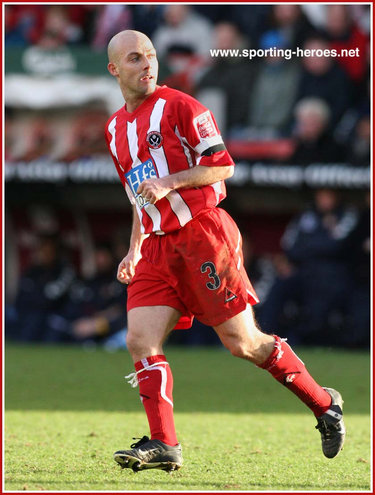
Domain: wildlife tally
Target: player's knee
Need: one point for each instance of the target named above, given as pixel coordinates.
(135, 344)
(239, 350)
(130, 343)
(254, 350)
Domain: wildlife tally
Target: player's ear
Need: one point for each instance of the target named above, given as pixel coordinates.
(112, 69)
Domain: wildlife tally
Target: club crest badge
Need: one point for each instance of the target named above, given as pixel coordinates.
(154, 139)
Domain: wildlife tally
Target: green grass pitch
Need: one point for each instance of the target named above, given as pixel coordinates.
(68, 410)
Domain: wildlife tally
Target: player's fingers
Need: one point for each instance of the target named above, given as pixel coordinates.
(142, 191)
(122, 274)
(126, 273)
(149, 197)
(146, 188)
(142, 188)
(123, 278)
(120, 268)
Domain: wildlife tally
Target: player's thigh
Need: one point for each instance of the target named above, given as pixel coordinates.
(150, 325)
(212, 282)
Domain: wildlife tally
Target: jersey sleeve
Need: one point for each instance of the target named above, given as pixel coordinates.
(198, 125)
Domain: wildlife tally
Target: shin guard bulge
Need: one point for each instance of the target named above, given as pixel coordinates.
(155, 389)
(286, 367)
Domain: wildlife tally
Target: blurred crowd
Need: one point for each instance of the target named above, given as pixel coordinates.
(314, 288)
(55, 302)
(321, 103)
(321, 292)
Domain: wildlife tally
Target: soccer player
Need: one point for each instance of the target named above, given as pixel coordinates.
(185, 256)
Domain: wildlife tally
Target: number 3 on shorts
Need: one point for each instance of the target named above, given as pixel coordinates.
(211, 268)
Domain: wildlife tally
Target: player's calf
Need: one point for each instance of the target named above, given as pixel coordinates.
(288, 369)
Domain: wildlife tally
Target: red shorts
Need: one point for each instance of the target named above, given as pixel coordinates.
(197, 270)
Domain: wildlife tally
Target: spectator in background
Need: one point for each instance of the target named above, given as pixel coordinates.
(292, 23)
(110, 19)
(275, 90)
(249, 19)
(323, 78)
(220, 13)
(361, 15)
(184, 67)
(343, 33)
(316, 14)
(80, 17)
(23, 24)
(9, 134)
(183, 26)
(318, 277)
(50, 54)
(359, 146)
(42, 140)
(33, 137)
(58, 30)
(233, 76)
(26, 25)
(147, 17)
(313, 139)
(97, 307)
(43, 293)
(84, 137)
(359, 248)
(260, 268)
(64, 24)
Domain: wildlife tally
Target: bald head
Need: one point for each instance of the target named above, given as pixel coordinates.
(133, 62)
(125, 40)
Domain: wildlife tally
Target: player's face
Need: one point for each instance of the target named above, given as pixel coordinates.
(138, 68)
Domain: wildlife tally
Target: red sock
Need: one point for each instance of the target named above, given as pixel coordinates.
(155, 390)
(288, 369)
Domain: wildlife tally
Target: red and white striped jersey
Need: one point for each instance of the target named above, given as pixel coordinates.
(169, 132)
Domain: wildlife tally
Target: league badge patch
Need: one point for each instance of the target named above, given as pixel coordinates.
(205, 125)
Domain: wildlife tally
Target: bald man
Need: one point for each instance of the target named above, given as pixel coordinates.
(185, 257)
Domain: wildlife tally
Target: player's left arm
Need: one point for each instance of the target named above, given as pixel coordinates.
(199, 128)
(153, 190)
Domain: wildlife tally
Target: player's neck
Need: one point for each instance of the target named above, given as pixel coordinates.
(132, 102)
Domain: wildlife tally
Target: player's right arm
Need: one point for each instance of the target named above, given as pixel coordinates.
(126, 268)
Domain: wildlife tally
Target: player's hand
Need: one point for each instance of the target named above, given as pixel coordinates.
(152, 190)
(126, 268)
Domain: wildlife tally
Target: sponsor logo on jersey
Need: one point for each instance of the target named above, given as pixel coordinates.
(205, 125)
(137, 175)
(154, 139)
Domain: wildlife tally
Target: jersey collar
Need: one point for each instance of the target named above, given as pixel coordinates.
(148, 101)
